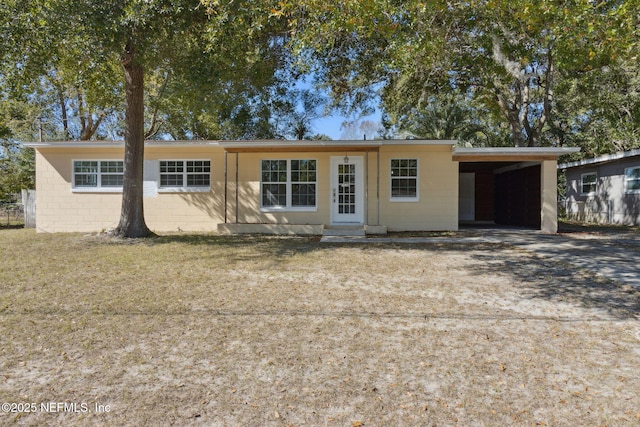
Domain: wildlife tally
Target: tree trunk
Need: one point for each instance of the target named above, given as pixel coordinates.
(132, 222)
(63, 111)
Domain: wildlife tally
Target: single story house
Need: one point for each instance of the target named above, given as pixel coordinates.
(301, 187)
(604, 189)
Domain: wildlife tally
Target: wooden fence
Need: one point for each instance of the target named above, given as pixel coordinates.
(29, 205)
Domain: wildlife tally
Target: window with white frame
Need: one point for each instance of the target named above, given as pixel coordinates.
(98, 174)
(288, 184)
(185, 174)
(588, 183)
(404, 179)
(632, 180)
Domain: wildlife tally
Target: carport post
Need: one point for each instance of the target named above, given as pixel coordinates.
(549, 196)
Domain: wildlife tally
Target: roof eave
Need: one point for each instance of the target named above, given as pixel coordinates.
(601, 159)
(486, 154)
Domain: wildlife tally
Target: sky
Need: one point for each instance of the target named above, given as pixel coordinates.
(332, 125)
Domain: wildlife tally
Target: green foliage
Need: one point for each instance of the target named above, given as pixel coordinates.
(62, 74)
(599, 111)
(209, 65)
(17, 170)
(510, 59)
(450, 116)
(344, 45)
(17, 163)
(189, 46)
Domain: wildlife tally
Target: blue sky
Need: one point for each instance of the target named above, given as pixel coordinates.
(332, 125)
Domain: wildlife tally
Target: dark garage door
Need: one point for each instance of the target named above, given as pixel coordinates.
(517, 198)
(507, 193)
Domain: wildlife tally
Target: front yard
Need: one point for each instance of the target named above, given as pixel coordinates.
(266, 331)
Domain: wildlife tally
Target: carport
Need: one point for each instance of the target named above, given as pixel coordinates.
(509, 186)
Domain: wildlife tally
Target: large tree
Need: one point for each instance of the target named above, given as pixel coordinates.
(196, 41)
(507, 56)
(599, 110)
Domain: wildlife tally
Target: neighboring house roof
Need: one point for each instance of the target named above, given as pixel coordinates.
(601, 159)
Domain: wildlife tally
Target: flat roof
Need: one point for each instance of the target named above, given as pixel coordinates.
(462, 154)
(601, 159)
(338, 143)
(480, 154)
(249, 143)
(110, 144)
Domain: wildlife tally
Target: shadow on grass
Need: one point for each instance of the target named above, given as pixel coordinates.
(562, 282)
(271, 245)
(568, 227)
(534, 277)
(11, 226)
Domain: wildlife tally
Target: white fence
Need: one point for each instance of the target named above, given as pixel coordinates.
(29, 206)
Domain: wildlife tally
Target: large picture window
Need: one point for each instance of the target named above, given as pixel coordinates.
(404, 179)
(185, 174)
(288, 184)
(632, 180)
(98, 174)
(588, 183)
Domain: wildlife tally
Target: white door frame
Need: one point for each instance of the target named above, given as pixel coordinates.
(467, 197)
(347, 198)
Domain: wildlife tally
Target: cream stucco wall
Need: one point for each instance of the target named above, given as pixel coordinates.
(436, 208)
(61, 209)
(249, 198)
(549, 196)
(437, 205)
(57, 207)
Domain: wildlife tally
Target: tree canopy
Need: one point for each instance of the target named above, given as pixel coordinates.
(520, 63)
(192, 49)
(530, 72)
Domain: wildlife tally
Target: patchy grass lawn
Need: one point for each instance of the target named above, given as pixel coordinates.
(264, 331)
(568, 226)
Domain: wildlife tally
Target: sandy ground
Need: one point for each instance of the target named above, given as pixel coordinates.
(289, 332)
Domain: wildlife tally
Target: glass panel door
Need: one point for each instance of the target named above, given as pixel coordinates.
(346, 188)
(347, 193)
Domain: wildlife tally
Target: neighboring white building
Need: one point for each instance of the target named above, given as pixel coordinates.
(604, 189)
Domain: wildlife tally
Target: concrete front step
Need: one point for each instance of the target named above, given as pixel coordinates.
(344, 231)
(353, 230)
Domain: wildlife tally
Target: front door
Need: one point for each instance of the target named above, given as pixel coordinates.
(347, 190)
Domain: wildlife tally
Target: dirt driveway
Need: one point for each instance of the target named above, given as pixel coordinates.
(201, 330)
(612, 255)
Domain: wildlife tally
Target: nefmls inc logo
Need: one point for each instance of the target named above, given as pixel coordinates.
(73, 407)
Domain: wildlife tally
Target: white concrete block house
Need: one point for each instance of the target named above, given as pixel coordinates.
(299, 187)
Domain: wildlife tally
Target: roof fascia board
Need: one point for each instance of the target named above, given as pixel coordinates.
(488, 154)
(331, 144)
(254, 145)
(118, 144)
(601, 159)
